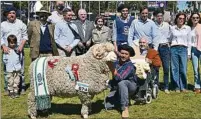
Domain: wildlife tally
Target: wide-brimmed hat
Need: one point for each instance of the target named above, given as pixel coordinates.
(8, 9)
(127, 48)
(43, 12)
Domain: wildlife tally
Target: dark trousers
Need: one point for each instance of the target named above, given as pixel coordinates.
(164, 52)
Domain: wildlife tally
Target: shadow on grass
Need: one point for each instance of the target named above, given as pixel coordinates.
(72, 109)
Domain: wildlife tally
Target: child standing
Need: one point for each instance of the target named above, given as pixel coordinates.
(13, 66)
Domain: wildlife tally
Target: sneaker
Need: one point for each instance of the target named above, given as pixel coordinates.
(184, 91)
(125, 113)
(167, 91)
(177, 91)
(16, 95)
(23, 92)
(197, 91)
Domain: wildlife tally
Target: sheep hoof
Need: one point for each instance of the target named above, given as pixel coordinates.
(85, 116)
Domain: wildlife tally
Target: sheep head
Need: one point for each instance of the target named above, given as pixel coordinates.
(104, 51)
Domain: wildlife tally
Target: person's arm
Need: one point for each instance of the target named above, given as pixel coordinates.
(114, 36)
(123, 74)
(156, 35)
(3, 41)
(189, 44)
(24, 37)
(57, 32)
(131, 33)
(30, 31)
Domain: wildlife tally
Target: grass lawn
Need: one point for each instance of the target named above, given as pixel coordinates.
(173, 105)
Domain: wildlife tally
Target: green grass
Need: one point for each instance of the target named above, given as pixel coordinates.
(174, 105)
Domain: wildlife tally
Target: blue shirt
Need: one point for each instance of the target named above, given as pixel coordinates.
(139, 29)
(64, 36)
(12, 61)
(125, 71)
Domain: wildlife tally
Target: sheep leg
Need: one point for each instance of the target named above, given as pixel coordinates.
(31, 106)
(85, 99)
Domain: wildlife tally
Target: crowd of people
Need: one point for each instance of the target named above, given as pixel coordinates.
(53, 34)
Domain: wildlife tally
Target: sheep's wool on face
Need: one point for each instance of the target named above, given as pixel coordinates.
(111, 56)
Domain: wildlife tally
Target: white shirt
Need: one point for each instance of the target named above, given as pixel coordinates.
(192, 39)
(43, 27)
(179, 36)
(164, 28)
(55, 17)
(17, 28)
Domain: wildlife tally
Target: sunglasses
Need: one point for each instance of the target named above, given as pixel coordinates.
(181, 18)
(195, 18)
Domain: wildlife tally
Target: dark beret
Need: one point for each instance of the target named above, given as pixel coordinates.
(8, 9)
(157, 11)
(122, 6)
(127, 48)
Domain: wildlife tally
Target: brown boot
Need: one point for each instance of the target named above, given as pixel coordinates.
(197, 91)
(125, 113)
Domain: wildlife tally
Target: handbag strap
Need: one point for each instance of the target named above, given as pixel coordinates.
(77, 36)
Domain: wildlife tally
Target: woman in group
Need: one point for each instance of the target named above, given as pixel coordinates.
(101, 33)
(195, 42)
(179, 52)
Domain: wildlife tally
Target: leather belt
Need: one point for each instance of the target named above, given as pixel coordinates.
(164, 45)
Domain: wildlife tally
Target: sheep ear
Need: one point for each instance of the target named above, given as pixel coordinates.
(98, 52)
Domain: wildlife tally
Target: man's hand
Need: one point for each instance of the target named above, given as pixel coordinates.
(148, 60)
(68, 49)
(115, 72)
(20, 48)
(5, 49)
(80, 44)
(88, 43)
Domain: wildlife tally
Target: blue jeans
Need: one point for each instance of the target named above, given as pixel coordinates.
(125, 88)
(164, 52)
(22, 81)
(196, 58)
(179, 66)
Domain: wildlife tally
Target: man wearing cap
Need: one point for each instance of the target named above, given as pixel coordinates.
(85, 28)
(57, 15)
(125, 77)
(41, 37)
(15, 27)
(164, 46)
(65, 35)
(121, 26)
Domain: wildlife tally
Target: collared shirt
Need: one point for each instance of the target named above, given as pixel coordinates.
(17, 28)
(43, 27)
(55, 17)
(64, 36)
(164, 29)
(179, 36)
(140, 29)
(114, 37)
(12, 61)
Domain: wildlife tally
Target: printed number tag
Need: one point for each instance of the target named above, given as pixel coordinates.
(82, 87)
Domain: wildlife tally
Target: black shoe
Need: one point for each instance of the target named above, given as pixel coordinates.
(16, 95)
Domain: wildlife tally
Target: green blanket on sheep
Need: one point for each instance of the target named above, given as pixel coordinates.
(42, 96)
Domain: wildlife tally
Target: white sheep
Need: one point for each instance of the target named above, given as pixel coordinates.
(93, 70)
